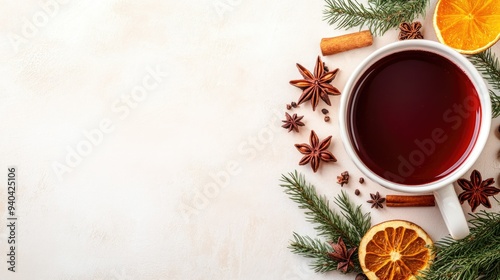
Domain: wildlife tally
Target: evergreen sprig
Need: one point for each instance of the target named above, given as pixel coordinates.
(354, 216)
(495, 104)
(474, 257)
(351, 224)
(314, 249)
(488, 65)
(377, 15)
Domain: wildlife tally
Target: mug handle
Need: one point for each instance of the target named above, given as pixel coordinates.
(453, 215)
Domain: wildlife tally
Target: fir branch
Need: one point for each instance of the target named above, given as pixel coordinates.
(488, 65)
(472, 257)
(328, 223)
(378, 15)
(495, 104)
(314, 249)
(359, 221)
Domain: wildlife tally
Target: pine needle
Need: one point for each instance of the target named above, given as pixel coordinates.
(488, 65)
(329, 224)
(359, 221)
(351, 224)
(477, 255)
(378, 15)
(314, 249)
(495, 104)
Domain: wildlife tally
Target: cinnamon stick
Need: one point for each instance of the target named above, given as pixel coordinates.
(409, 200)
(346, 42)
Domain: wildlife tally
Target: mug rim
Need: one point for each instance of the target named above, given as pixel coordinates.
(457, 59)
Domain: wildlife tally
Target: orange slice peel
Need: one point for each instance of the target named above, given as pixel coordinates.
(395, 250)
(468, 26)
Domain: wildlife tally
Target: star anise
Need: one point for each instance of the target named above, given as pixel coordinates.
(316, 152)
(476, 191)
(292, 122)
(410, 31)
(342, 255)
(317, 86)
(376, 200)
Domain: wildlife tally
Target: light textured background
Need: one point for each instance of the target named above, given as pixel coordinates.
(185, 186)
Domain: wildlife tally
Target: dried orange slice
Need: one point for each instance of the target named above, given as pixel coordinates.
(395, 250)
(469, 26)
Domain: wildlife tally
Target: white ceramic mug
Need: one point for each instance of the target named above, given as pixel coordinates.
(443, 190)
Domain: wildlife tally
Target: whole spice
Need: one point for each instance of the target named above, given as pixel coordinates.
(292, 122)
(361, 276)
(376, 200)
(409, 200)
(325, 67)
(476, 191)
(294, 105)
(288, 106)
(346, 42)
(316, 86)
(327, 118)
(316, 151)
(324, 111)
(342, 255)
(357, 192)
(410, 31)
(361, 180)
(343, 178)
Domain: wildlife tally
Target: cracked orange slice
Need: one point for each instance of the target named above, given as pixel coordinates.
(469, 26)
(395, 250)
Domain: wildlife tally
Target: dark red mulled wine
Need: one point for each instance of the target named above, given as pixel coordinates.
(413, 117)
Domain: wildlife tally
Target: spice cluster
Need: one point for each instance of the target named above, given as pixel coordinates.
(344, 231)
